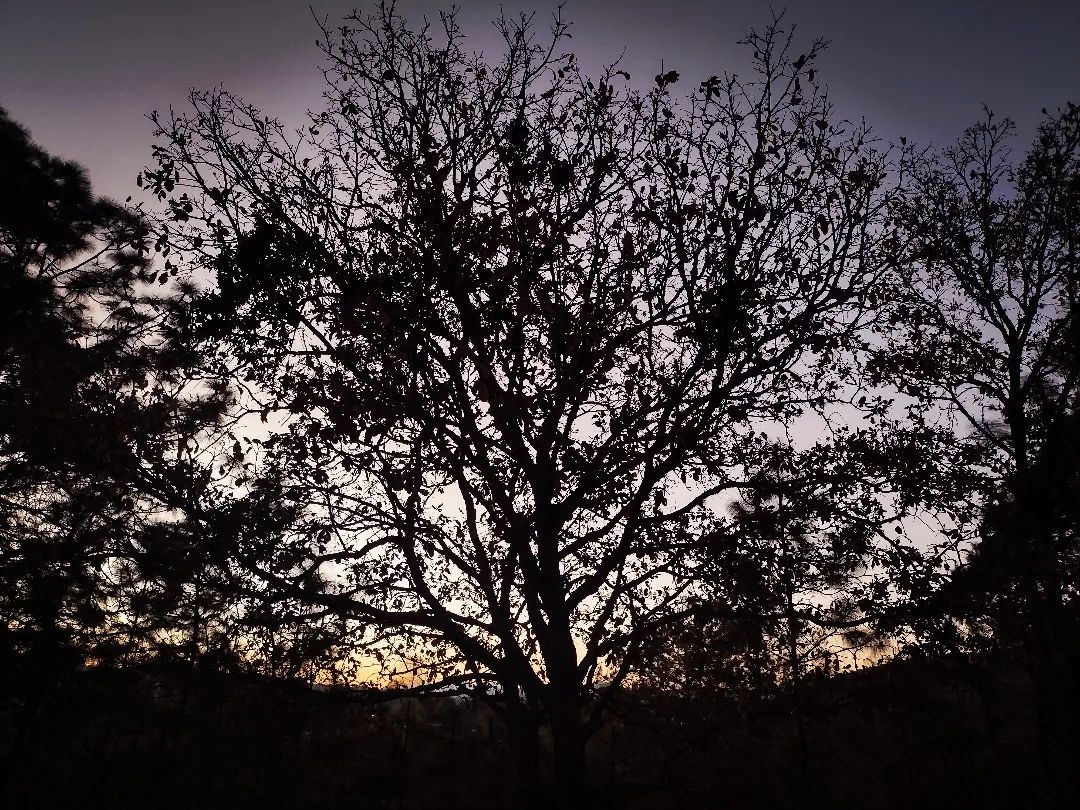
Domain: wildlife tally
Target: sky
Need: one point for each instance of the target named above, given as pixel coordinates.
(83, 74)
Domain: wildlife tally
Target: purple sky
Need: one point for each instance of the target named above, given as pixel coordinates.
(81, 74)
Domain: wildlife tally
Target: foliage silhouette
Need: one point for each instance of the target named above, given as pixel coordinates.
(518, 326)
(606, 413)
(92, 426)
(985, 332)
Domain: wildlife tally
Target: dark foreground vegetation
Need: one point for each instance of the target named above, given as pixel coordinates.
(506, 436)
(945, 733)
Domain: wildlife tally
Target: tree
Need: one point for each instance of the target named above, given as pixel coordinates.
(780, 547)
(985, 334)
(95, 428)
(63, 252)
(512, 330)
(68, 261)
(806, 549)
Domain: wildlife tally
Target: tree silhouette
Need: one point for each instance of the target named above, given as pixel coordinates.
(92, 420)
(592, 403)
(804, 550)
(67, 259)
(985, 331)
(510, 329)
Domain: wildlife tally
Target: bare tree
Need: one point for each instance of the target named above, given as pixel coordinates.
(512, 330)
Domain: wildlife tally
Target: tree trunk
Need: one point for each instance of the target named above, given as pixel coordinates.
(572, 788)
(805, 790)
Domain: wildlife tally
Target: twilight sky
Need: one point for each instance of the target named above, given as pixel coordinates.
(81, 74)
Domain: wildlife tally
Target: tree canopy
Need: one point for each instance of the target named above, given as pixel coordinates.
(518, 328)
(497, 378)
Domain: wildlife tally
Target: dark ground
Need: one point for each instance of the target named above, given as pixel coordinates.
(906, 734)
